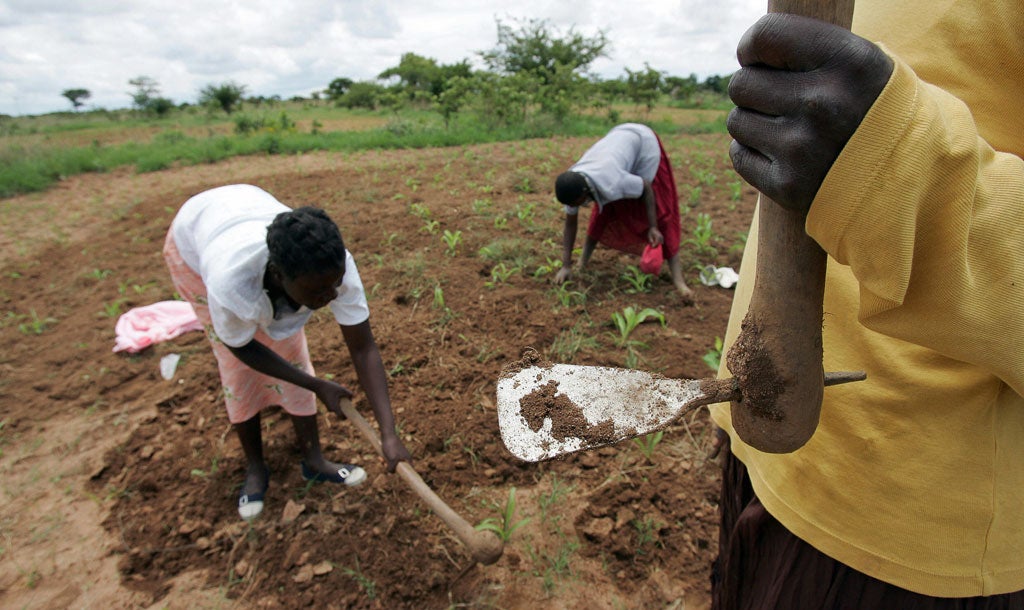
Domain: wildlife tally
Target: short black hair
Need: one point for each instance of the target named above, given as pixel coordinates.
(569, 187)
(305, 241)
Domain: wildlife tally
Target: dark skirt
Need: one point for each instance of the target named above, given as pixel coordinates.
(762, 566)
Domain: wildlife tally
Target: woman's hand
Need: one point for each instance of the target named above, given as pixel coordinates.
(330, 394)
(654, 237)
(394, 451)
(564, 275)
(803, 88)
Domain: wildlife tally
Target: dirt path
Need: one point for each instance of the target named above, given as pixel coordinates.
(119, 487)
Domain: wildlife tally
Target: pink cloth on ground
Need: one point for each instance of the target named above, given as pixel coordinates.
(140, 327)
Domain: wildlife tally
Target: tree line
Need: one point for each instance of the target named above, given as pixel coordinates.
(534, 70)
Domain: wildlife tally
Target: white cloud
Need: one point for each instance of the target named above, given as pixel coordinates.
(295, 47)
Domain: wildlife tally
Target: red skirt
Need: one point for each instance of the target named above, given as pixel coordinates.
(762, 566)
(622, 224)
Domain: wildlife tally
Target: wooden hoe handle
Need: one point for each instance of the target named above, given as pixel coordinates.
(777, 357)
(484, 547)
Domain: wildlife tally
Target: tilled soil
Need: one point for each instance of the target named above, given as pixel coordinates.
(120, 487)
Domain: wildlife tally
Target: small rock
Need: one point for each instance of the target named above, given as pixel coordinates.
(292, 510)
(304, 575)
(598, 529)
(324, 567)
(625, 516)
(147, 452)
(590, 459)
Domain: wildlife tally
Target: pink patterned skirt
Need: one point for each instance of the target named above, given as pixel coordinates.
(246, 391)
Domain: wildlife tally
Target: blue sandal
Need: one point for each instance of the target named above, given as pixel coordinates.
(251, 505)
(349, 474)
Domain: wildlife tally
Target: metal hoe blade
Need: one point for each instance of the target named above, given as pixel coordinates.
(549, 410)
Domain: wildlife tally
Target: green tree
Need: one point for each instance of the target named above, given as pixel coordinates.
(146, 89)
(679, 88)
(160, 106)
(414, 72)
(644, 86)
(75, 96)
(536, 48)
(227, 96)
(363, 94)
(338, 88)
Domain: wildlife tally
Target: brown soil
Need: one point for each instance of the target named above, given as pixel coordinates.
(119, 487)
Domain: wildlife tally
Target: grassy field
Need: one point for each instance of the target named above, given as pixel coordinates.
(37, 151)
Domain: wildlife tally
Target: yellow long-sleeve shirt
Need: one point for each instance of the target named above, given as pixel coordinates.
(916, 476)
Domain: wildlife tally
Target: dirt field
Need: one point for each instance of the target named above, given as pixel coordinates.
(119, 488)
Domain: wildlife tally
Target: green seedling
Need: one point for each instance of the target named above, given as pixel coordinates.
(735, 190)
(420, 211)
(113, 308)
(35, 325)
(638, 280)
(98, 274)
(500, 274)
(702, 236)
(505, 524)
(451, 241)
(429, 226)
(628, 319)
(714, 356)
(551, 266)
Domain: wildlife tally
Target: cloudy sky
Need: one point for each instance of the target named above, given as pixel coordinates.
(296, 47)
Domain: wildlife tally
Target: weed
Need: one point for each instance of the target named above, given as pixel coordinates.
(646, 534)
(98, 274)
(570, 342)
(648, 444)
(36, 325)
(714, 356)
(558, 492)
(566, 297)
(113, 308)
(199, 472)
(504, 525)
(365, 583)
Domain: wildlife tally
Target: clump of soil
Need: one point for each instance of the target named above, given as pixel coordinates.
(567, 418)
(752, 365)
(529, 358)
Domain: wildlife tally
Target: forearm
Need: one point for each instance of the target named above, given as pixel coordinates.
(650, 206)
(261, 358)
(370, 371)
(569, 238)
(928, 217)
